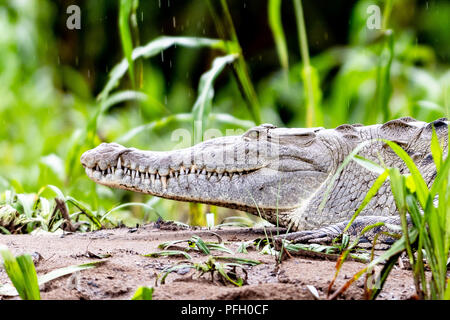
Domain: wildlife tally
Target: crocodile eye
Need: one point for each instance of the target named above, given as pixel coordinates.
(252, 134)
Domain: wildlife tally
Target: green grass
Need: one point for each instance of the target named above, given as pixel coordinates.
(143, 293)
(23, 276)
(227, 272)
(427, 240)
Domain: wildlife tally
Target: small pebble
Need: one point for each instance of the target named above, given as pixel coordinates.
(183, 271)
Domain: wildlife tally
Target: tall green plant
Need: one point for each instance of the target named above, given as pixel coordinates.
(203, 104)
(126, 7)
(426, 239)
(226, 30)
(274, 12)
(310, 76)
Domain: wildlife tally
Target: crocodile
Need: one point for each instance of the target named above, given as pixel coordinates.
(279, 174)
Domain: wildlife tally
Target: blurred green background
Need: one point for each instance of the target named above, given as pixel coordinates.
(51, 78)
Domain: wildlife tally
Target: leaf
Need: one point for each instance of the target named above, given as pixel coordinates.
(344, 163)
(27, 201)
(169, 253)
(85, 210)
(55, 189)
(313, 291)
(124, 205)
(153, 48)
(125, 35)
(218, 247)
(22, 274)
(368, 164)
(370, 194)
(447, 290)
(202, 106)
(174, 268)
(239, 260)
(143, 293)
(396, 248)
(275, 23)
(422, 189)
(436, 150)
(200, 244)
(112, 100)
(8, 290)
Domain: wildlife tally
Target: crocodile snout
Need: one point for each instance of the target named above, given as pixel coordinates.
(105, 155)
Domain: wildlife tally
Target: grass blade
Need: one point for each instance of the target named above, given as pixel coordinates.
(85, 210)
(200, 244)
(22, 274)
(309, 73)
(166, 253)
(341, 167)
(226, 30)
(143, 293)
(125, 35)
(422, 189)
(274, 11)
(202, 106)
(129, 204)
(52, 275)
(239, 260)
(152, 49)
(396, 248)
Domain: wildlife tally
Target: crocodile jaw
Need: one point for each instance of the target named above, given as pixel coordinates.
(192, 174)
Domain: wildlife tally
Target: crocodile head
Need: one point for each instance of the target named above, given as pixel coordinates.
(267, 169)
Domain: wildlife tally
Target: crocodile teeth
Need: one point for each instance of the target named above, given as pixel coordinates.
(164, 181)
(209, 175)
(152, 178)
(119, 173)
(97, 175)
(125, 171)
(220, 175)
(119, 163)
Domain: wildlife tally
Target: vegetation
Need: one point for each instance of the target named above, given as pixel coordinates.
(22, 273)
(151, 68)
(427, 242)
